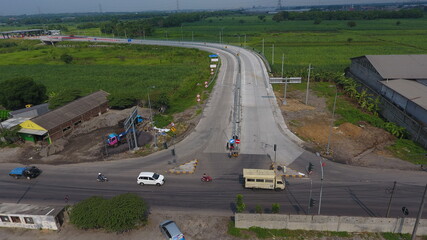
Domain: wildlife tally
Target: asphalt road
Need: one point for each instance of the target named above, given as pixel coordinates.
(347, 190)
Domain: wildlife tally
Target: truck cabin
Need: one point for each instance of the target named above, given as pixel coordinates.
(112, 139)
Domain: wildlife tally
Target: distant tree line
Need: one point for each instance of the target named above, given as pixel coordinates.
(168, 18)
(348, 15)
(145, 27)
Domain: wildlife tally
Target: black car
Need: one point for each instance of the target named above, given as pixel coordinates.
(27, 172)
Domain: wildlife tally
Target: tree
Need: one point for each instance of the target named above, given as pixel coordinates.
(63, 97)
(240, 205)
(66, 58)
(261, 17)
(18, 92)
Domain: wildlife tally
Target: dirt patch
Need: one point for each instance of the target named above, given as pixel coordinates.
(87, 142)
(361, 144)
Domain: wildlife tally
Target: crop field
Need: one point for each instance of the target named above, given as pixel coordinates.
(328, 46)
(130, 70)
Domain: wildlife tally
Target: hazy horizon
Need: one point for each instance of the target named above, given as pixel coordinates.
(19, 7)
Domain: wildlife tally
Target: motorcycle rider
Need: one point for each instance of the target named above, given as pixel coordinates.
(101, 177)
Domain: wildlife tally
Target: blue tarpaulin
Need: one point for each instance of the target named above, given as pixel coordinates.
(18, 171)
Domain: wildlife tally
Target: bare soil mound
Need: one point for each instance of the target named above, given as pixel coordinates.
(361, 144)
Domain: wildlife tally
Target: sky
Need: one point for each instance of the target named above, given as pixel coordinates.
(17, 7)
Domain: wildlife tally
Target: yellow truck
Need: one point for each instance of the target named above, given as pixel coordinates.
(264, 179)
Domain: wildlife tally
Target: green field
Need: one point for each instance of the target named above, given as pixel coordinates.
(118, 69)
(328, 45)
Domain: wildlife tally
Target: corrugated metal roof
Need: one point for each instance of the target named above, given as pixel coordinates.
(70, 111)
(32, 131)
(36, 110)
(400, 66)
(412, 90)
(27, 209)
(12, 122)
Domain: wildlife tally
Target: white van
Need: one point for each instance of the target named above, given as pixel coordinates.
(150, 178)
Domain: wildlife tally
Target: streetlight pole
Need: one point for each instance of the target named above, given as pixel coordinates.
(151, 115)
(321, 183)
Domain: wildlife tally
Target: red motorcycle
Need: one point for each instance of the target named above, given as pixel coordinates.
(206, 178)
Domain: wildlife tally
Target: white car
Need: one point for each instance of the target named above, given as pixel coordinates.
(150, 178)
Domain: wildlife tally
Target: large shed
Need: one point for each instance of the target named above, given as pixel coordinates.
(61, 121)
(401, 82)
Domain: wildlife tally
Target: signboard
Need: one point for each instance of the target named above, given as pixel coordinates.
(214, 60)
(213, 56)
(286, 80)
(212, 66)
(237, 141)
(231, 141)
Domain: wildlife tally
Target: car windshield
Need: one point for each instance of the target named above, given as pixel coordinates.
(155, 176)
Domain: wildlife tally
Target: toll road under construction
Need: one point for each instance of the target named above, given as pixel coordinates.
(233, 143)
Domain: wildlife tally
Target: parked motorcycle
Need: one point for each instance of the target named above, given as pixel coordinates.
(102, 178)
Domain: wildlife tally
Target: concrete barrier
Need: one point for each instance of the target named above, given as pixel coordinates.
(330, 223)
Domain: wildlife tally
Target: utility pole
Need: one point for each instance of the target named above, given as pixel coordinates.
(391, 198)
(332, 121)
(420, 212)
(308, 84)
(321, 183)
(272, 55)
(309, 198)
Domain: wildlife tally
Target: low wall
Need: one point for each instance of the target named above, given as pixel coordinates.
(330, 223)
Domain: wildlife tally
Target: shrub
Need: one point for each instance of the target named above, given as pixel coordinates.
(162, 120)
(66, 58)
(86, 214)
(121, 213)
(275, 208)
(121, 101)
(258, 209)
(351, 24)
(317, 21)
(240, 205)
